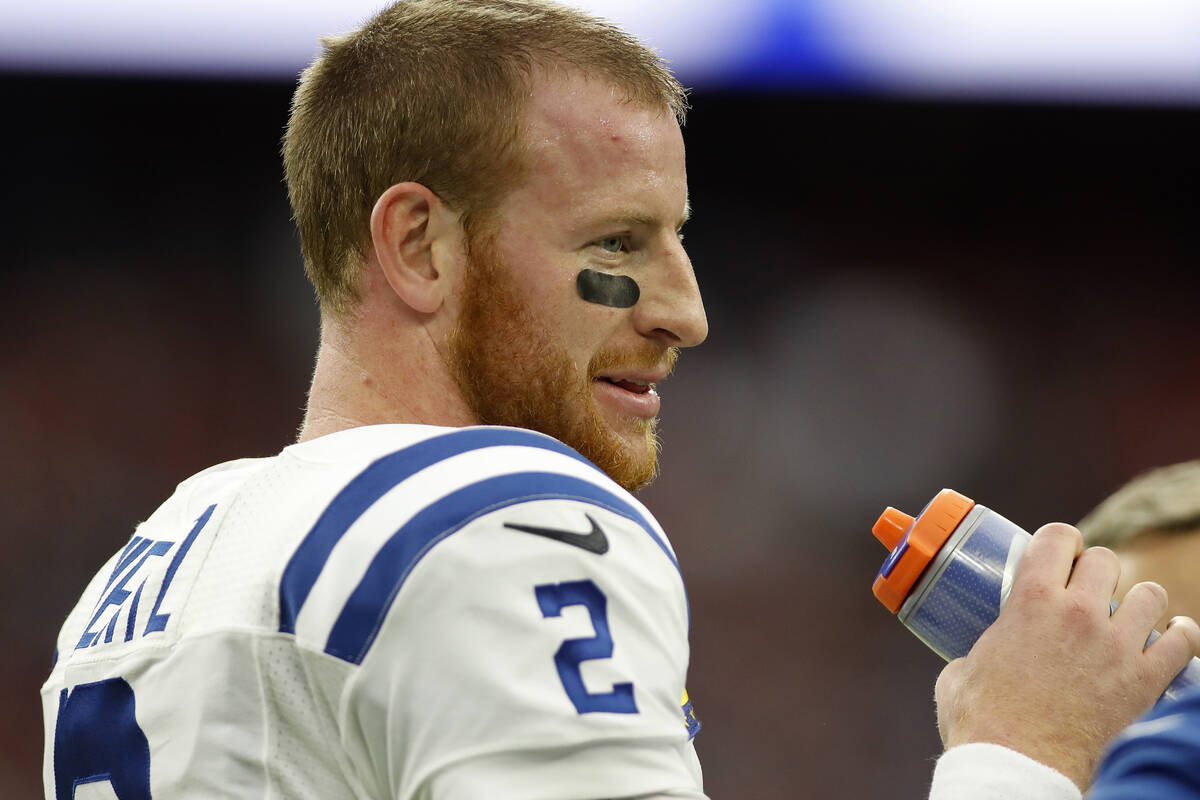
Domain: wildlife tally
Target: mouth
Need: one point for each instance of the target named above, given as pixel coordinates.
(629, 384)
(629, 395)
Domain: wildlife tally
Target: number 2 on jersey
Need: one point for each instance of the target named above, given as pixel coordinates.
(552, 599)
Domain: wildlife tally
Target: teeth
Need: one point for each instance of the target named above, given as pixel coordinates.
(627, 380)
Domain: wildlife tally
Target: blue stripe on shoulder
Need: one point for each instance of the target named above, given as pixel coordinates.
(373, 483)
(363, 614)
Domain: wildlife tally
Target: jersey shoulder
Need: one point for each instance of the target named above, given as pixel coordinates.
(451, 502)
(343, 519)
(124, 601)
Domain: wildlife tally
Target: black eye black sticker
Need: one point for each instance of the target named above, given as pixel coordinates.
(618, 291)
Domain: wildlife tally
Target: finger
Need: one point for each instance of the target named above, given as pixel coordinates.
(1095, 574)
(1143, 605)
(1170, 653)
(1049, 557)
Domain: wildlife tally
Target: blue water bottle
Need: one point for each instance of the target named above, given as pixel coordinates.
(950, 571)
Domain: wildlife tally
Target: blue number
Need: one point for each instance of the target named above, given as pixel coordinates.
(97, 738)
(552, 599)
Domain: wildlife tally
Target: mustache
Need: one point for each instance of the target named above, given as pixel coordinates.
(645, 357)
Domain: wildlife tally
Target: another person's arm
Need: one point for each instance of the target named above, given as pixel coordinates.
(1156, 758)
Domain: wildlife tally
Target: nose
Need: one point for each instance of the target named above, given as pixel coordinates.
(670, 307)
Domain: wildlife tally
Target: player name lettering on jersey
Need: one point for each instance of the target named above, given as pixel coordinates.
(119, 600)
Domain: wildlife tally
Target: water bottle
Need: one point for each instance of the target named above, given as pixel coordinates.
(950, 571)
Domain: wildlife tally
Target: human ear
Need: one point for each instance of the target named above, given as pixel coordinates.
(408, 225)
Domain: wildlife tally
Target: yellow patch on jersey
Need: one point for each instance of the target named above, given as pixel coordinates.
(689, 716)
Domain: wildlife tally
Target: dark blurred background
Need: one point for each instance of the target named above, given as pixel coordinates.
(906, 291)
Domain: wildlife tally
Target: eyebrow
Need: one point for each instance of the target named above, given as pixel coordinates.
(633, 218)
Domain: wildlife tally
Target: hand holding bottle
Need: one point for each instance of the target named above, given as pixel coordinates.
(1056, 677)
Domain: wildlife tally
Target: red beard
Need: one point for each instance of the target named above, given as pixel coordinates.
(511, 372)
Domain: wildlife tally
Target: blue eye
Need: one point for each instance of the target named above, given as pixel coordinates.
(612, 244)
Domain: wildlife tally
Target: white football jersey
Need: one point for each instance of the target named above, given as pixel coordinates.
(393, 611)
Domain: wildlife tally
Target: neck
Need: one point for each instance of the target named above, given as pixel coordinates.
(380, 366)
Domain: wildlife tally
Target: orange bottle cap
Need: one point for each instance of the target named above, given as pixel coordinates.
(914, 543)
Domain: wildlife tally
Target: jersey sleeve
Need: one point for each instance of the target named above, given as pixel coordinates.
(540, 651)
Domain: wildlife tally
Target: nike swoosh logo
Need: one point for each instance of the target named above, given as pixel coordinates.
(594, 541)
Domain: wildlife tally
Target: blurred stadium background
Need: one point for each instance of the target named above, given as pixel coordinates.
(941, 243)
